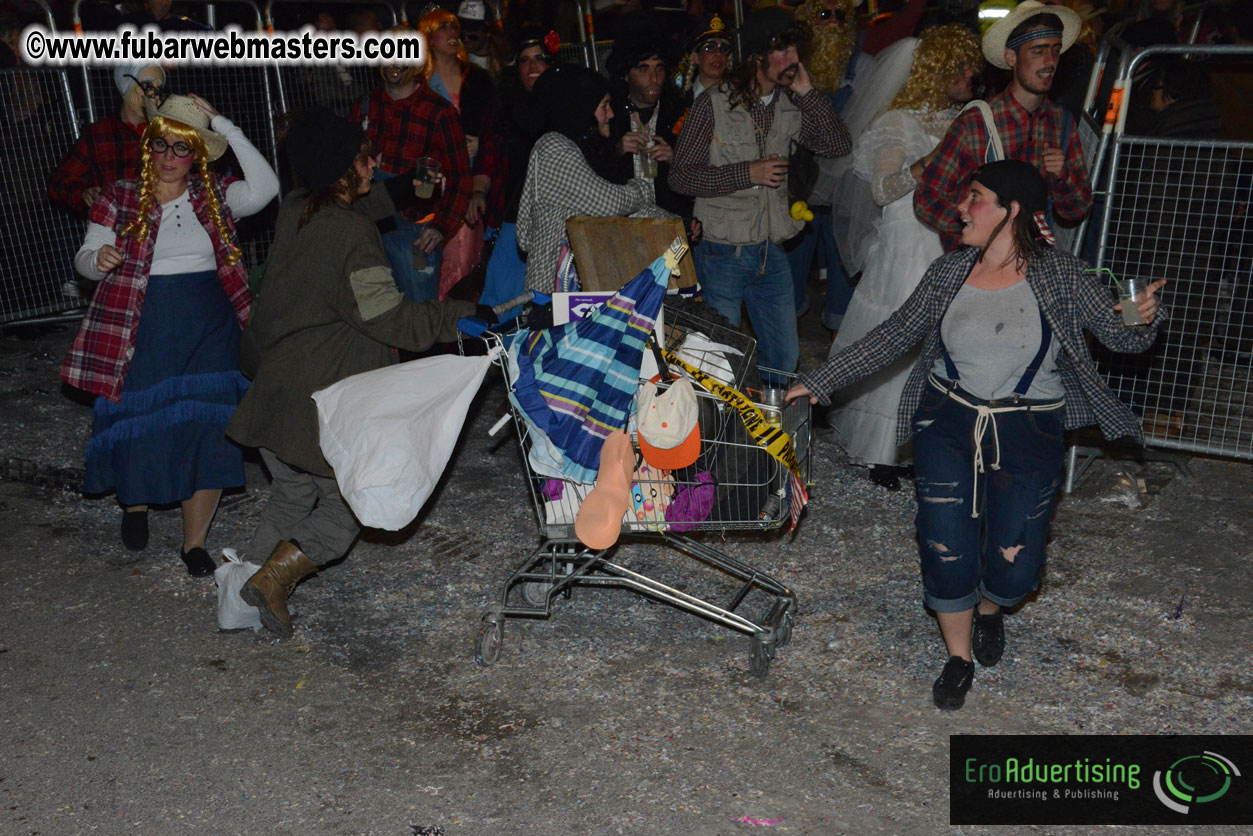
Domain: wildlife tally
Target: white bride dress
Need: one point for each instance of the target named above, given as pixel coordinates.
(898, 252)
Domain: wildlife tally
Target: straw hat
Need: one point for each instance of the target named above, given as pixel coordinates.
(994, 41)
(183, 109)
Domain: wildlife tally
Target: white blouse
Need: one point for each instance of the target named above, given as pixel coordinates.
(183, 245)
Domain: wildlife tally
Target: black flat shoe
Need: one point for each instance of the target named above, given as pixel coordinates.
(949, 691)
(199, 564)
(135, 530)
(885, 477)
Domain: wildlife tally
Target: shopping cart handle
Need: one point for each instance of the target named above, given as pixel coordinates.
(474, 327)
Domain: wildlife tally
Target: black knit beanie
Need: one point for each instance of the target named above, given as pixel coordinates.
(322, 146)
(1015, 180)
(568, 95)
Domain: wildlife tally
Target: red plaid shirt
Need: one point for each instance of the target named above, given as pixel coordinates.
(1025, 134)
(102, 351)
(108, 150)
(421, 125)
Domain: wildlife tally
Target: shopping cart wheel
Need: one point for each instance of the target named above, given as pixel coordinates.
(783, 633)
(487, 643)
(759, 655)
(535, 593)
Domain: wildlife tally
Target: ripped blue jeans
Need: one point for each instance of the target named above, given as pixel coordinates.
(1000, 553)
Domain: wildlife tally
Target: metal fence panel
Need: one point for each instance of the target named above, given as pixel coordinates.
(333, 87)
(37, 240)
(575, 53)
(1179, 210)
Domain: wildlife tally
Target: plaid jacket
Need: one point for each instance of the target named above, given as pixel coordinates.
(108, 150)
(1025, 134)
(421, 125)
(1072, 299)
(102, 350)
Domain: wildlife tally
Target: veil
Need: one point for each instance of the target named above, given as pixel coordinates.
(854, 214)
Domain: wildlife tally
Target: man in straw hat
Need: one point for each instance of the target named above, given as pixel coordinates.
(1028, 41)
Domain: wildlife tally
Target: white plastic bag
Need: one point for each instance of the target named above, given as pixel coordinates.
(389, 433)
(233, 612)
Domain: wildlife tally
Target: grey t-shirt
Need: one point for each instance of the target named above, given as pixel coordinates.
(992, 336)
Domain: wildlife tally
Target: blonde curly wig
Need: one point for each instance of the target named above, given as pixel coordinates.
(834, 23)
(942, 52)
(160, 126)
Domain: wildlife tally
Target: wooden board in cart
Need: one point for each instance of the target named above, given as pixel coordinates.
(610, 252)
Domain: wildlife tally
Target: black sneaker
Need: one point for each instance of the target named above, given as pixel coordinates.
(949, 691)
(988, 640)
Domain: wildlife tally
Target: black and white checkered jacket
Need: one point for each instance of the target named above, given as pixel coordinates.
(1072, 300)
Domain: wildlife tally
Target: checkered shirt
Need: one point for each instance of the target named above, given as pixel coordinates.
(1024, 134)
(421, 125)
(1072, 300)
(102, 350)
(560, 184)
(108, 150)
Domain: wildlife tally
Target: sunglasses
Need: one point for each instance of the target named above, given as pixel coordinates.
(710, 47)
(179, 149)
(156, 92)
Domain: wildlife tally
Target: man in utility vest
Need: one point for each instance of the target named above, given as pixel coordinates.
(732, 156)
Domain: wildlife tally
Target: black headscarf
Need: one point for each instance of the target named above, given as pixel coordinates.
(568, 96)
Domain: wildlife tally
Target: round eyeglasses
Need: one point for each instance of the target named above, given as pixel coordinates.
(179, 149)
(151, 89)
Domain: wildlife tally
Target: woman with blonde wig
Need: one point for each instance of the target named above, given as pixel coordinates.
(885, 241)
(159, 344)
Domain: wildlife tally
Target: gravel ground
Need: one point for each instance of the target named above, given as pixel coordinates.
(123, 710)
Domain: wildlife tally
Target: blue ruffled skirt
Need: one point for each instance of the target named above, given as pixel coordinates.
(165, 439)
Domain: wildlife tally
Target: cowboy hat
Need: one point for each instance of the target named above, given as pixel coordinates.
(994, 42)
(183, 109)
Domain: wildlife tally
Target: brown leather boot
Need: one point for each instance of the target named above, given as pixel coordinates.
(267, 590)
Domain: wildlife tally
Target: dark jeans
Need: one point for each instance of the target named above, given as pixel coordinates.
(757, 276)
(1000, 553)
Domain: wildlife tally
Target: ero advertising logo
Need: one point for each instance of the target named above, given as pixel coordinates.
(1210, 775)
(1098, 779)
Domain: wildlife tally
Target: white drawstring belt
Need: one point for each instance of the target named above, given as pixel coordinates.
(984, 416)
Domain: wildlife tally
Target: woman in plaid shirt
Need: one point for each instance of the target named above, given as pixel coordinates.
(159, 344)
(1004, 371)
(561, 182)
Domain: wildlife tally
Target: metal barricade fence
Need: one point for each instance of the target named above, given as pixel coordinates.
(576, 53)
(326, 85)
(38, 240)
(331, 86)
(38, 127)
(1179, 209)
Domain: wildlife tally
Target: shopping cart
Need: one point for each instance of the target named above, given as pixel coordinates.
(748, 487)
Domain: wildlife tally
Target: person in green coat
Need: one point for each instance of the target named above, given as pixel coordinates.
(329, 309)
